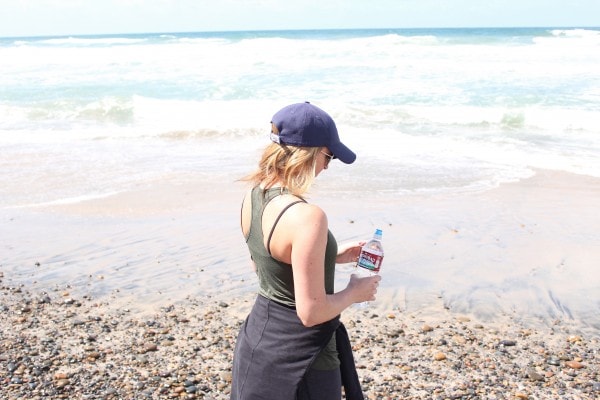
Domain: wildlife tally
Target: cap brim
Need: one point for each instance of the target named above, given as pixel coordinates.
(342, 152)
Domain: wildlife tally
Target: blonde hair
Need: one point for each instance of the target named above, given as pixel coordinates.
(291, 166)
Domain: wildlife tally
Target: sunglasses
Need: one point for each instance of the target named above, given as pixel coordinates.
(328, 157)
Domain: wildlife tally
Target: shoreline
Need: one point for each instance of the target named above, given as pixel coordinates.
(527, 249)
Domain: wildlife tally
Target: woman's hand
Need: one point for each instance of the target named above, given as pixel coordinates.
(363, 289)
(349, 252)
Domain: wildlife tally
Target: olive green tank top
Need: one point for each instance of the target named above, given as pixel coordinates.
(276, 279)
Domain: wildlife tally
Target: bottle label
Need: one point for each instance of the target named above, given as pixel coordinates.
(370, 259)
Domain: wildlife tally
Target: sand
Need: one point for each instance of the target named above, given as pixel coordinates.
(461, 273)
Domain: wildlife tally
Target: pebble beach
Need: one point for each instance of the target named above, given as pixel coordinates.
(58, 346)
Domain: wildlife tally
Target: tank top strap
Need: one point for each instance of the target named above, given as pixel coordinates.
(277, 220)
(260, 199)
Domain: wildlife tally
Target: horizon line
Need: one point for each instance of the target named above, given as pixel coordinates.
(296, 30)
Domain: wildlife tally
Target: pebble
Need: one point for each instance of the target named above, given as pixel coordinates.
(149, 347)
(66, 347)
(553, 360)
(574, 339)
(534, 375)
(62, 383)
(574, 364)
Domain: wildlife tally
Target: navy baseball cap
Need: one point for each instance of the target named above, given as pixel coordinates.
(306, 125)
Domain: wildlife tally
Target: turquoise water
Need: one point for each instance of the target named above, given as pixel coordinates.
(426, 110)
(440, 110)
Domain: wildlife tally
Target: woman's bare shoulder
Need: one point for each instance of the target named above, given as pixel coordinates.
(294, 211)
(307, 216)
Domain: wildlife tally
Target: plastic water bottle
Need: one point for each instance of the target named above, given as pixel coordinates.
(370, 258)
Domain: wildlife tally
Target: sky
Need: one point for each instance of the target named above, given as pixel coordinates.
(79, 17)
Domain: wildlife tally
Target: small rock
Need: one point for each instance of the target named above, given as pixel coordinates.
(44, 300)
(179, 389)
(62, 383)
(534, 376)
(553, 360)
(574, 339)
(574, 364)
(439, 356)
(507, 343)
(226, 376)
(191, 389)
(60, 375)
(150, 347)
(15, 380)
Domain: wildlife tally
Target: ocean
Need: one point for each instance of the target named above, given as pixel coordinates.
(116, 152)
(427, 110)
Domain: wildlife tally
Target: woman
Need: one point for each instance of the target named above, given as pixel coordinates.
(292, 345)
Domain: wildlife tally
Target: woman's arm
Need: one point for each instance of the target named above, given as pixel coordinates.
(307, 227)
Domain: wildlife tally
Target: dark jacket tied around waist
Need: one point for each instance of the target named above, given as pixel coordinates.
(274, 351)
